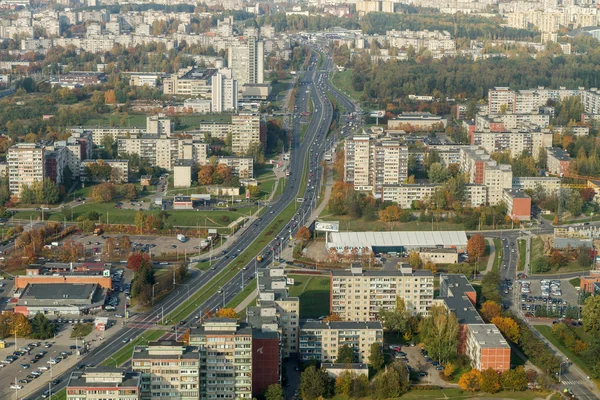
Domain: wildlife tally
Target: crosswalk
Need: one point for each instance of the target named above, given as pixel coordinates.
(572, 383)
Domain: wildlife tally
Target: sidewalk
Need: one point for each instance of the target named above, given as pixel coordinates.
(490, 263)
(242, 306)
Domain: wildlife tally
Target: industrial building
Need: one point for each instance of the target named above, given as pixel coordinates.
(396, 242)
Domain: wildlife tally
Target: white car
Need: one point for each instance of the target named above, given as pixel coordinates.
(52, 361)
(43, 368)
(17, 387)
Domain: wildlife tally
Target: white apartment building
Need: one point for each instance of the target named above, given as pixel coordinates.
(169, 369)
(119, 169)
(242, 167)
(25, 165)
(515, 142)
(421, 40)
(358, 295)
(159, 125)
(225, 359)
(530, 101)
(104, 383)
(162, 151)
(370, 164)
(224, 94)
(190, 82)
(247, 62)
(99, 133)
(550, 184)
(503, 122)
(407, 194)
(482, 170)
(246, 130)
(321, 341)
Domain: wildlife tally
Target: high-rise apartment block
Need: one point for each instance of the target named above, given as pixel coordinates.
(359, 295)
(321, 341)
(247, 62)
(482, 170)
(225, 349)
(96, 383)
(247, 130)
(25, 165)
(370, 163)
(159, 125)
(224, 94)
(505, 100)
(168, 369)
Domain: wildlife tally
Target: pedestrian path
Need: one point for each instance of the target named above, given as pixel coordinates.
(490, 263)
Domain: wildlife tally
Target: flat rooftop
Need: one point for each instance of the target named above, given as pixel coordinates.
(59, 291)
(78, 379)
(395, 239)
(487, 335)
(340, 325)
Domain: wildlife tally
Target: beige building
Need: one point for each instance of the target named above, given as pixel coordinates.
(550, 184)
(246, 130)
(439, 256)
(25, 165)
(182, 175)
(119, 169)
(225, 350)
(169, 369)
(99, 133)
(164, 151)
(275, 311)
(407, 194)
(243, 167)
(358, 295)
(246, 61)
(321, 341)
(99, 383)
(190, 82)
(159, 125)
(370, 164)
(482, 170)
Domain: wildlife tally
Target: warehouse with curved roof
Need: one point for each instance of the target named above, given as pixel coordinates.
(396, 242)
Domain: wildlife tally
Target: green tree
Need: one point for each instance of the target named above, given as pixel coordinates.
(395, 320)
(514, 379)
(344, 382)
(490, 286)
(392, 383)
(590, 315)
(274, 392)
(314, 383)
(41, 327)
(376, 357)
(438, 173)
(439, 332)
(345, 354)
(490, 381)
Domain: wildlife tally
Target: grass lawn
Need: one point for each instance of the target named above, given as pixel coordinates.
(121, 356)
(280, 187)
(449, 394)
(343, 82)
(546, 331)
(498, 256)
(313, 292)
(266, 187)
(575, 282)
(241, 296)
(521, 243)
(61, 395)
(82, 330)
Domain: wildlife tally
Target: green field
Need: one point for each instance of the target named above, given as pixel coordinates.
(241, 296)
(123, 355)
(575, 282)
(521, 243)
(343, 82)
(61, 395)
(313, 292)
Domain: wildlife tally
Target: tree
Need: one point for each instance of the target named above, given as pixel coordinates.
(254, 191)
(343, 383)
(392, 383)
(469, 381)
(129, 191)
(274, 392)
(205, 175)
(590, 315)
(135, 260)
(395, 320)
(314, 383)
(333, 317)
(227, 313)
(110, 97)
(438, 173)
(20, 325)
(345, 355)
(490, 286)
(414, 259)
(490, 381)
(508, 327)
(103, 192)
(439, 332)
(449, 370)
(514, 379)
(476, 246)
(390, 213)
(376, 357)
(490, 309)
(41, 327)
(303, 234)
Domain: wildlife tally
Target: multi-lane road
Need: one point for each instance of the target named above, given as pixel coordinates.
(306, 151)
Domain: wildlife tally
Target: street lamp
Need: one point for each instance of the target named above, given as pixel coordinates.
(153, 292)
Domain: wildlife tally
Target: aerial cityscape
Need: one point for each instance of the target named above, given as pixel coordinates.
(303, 200)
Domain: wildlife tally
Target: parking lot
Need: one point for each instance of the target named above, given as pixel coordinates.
(36, 363)
(548, 297)
(422, 369)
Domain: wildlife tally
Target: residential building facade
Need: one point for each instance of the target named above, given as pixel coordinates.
(25, 165)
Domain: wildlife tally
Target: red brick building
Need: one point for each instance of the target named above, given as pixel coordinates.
(266, 361)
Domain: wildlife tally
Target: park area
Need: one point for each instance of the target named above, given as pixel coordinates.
(313, 292)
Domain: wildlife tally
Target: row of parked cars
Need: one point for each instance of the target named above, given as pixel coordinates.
(36, 358)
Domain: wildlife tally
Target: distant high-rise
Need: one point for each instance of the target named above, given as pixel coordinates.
(224, 91)
(247, 62)
(25, 165)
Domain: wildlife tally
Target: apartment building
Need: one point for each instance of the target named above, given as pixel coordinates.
(159, 125)
(190, 81)
(515, 142)
(246, 61)
(321, 341)
(558, 161)
(419, 40)
(504, 122)
(224, 96)
(503, 100)
(168, 369)
(481, 169)
(215, 129)
(487, 348)
(420, 121)
(407, 194)
(55, 159)
(550, 184)
(242, 167)
(358, 295)
(25, 165)
(225, 348)
(246, 130)
(518, 204)
(275, 310)
(97, 383)
(370, 164)
(119, 169)
(162, 151)
(99, 133)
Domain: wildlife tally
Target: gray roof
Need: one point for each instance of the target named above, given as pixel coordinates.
(131, 379)
(344, 366)
(559, 154)
(59, 291)
(487, 335)
(341, 325)
(410, 239)
(464, 310)
(347, 272)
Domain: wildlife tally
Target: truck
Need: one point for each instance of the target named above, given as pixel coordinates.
(181, 238)
(259, 258)
(98, 231)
